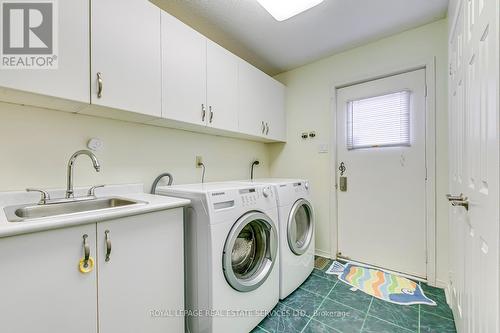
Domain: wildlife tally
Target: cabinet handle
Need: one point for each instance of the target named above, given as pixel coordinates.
(203, 112)
(99, 84)
(267, 128)
(87, 262)
(108, 246)
(263, 127)
(211, 114)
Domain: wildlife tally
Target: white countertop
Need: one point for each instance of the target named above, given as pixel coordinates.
(151, 203)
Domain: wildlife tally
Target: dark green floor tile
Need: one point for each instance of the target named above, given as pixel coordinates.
(402, 315)
(258, 330)
(357, 299)
(317, 327)
(375, 325)
(318, 285)
(430, 323)
(430, 291)
(340, 317)
(331, 277)
(284, 320)
(303, 300)
(442, 309)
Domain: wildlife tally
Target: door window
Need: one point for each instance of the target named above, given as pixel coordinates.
(381, 121)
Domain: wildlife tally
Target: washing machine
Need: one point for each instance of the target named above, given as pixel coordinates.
(296, 231)
(231, 250)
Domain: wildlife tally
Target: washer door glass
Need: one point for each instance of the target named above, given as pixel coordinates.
(250, 251)
(300, 227)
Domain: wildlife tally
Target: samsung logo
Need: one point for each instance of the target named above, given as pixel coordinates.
(218, 193)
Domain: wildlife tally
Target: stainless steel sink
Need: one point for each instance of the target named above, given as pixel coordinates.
(24, 213)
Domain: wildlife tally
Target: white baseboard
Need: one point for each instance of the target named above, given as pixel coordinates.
(324, 254)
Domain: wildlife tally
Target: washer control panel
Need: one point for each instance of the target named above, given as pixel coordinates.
(251, 196)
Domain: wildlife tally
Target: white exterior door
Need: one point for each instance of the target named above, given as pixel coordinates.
(381, 144)
(144, 274)
(222, 88)
(184, 72)
(42, 289)
(126, 52)
(474, 167)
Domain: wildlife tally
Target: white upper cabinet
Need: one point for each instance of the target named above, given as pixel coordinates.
(126, 54)
(222, 88)
(184, 73)
(70, 80)
(275, 110)
(261, 102)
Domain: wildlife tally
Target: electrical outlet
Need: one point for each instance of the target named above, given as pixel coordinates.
(199, 160)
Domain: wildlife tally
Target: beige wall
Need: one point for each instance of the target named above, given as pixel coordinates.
(37, 143)
(309, 108)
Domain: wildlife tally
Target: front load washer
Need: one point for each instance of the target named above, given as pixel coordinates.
(232, 260)
(296, 231)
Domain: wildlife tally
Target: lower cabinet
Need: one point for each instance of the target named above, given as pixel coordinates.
(135, 285)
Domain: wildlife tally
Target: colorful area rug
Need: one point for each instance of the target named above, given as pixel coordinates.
(382, 285)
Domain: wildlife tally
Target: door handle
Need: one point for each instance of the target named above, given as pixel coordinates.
(459, 197)
(263, 127)
(267, 128)
(100, 84)
(211, 114)
(461, 203)
(108, 246)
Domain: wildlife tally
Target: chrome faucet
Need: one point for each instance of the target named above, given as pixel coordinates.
(71, 163)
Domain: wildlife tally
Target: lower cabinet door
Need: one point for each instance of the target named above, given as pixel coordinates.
(41, 287)
(141, 273)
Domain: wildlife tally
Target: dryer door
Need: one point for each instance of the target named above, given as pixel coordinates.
(250, 251)
(300, 226)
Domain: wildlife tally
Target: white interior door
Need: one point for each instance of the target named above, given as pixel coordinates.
(381, 144)
(474, 167)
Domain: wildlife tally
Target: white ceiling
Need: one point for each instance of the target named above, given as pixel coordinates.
(246, 29)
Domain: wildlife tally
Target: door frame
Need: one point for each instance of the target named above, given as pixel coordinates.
(429, 64)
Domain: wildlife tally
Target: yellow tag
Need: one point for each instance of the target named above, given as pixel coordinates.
(90, 265)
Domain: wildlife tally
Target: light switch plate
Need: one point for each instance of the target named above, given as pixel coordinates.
(323, 148)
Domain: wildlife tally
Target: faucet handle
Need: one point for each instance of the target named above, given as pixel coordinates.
(91, 192)
(45, 195)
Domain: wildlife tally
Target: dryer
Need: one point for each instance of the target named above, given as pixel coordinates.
(231, 249)
(296, 231)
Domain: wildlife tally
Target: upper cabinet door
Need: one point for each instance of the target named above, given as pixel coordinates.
(40, 276)
(251, 99)
(222, 88)
(141, 272)
(184, 73)
(276, 118)
(70, 80)
(127, 55)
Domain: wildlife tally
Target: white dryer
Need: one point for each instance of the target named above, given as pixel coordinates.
(296, 231)
(231, 249)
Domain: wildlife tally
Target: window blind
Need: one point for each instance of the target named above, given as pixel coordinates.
(381, 121)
